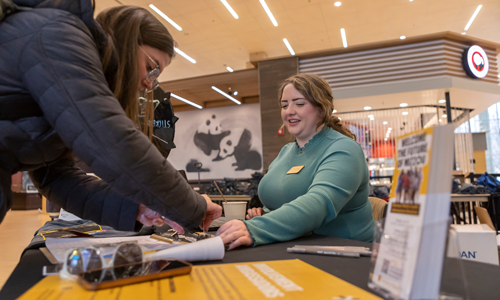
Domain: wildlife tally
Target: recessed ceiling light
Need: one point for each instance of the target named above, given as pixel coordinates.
(390, 128)
(186, 101)
(164, 16)
(334, 111)
(464, 33)
(344, 40)
(439, 120)
(402, 37)
(367, 107)
(337, 3)
(444, 116)
(370, 116)
(411, 0)
(289, 46)
(385, 122)
(226, 95)
(235, 93)
(231, 10)
(229, 69)
(269, 13)
(473, 17)
(405, 113)
(403, 104)
(184, 55)
(442, 101)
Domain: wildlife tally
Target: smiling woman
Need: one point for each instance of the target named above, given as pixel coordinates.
(318, 183)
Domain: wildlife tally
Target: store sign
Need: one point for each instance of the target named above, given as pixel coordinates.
(475, 62)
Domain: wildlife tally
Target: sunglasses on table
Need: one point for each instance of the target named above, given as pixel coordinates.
(90, 258)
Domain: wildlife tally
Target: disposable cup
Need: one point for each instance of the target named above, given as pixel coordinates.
(235, 209)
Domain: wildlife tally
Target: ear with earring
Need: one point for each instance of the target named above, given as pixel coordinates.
(281, 130)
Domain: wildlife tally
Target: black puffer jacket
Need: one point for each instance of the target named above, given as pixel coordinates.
(52, 55)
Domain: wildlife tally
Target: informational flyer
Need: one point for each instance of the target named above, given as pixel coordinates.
(397, 256)
(410, 256)
(283, 279)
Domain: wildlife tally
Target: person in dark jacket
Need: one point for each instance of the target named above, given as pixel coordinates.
(70, 85)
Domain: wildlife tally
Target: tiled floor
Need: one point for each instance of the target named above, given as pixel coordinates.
(16, 231)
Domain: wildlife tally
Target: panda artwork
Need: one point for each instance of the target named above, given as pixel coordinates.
(225, 141)
(238, 144)
(209, 135)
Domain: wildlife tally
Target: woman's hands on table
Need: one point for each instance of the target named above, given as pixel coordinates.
(234, 234)
(254, 212)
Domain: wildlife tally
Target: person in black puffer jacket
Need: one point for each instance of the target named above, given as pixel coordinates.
(70, 84)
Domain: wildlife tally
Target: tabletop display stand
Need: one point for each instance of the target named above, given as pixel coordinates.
(402, 286)
(410, 256)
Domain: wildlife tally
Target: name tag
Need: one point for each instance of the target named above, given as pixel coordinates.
(295, 170)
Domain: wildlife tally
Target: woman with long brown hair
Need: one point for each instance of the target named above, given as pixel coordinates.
(69, 84)
(318, 183)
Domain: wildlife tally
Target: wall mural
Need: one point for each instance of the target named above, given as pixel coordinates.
(218, 142)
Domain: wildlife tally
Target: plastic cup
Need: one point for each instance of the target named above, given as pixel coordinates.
(235, 209)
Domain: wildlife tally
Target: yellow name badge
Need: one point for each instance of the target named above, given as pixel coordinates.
(295, 170)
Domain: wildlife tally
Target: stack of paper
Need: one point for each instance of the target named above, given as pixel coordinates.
(208, 249)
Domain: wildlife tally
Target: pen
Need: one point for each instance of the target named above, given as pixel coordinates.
(303, 251)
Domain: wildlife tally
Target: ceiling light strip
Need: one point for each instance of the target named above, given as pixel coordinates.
(229, 69)
(231, 10)
(289, 46)
(226, 95)
(473, 17)
(164, 16)
(344, 40)
(186, 101)
(184, 55)
(269, 13)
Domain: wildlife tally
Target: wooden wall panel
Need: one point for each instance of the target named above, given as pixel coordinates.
(423, 59)
(271, 75)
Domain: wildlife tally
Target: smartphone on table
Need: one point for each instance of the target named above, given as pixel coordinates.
(132, 273)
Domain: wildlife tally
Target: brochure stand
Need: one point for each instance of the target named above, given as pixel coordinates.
(452, 266)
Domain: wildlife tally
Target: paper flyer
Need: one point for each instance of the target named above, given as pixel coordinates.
(283, 279)
(395, 266)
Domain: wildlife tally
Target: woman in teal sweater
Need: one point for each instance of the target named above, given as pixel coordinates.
(318, 183)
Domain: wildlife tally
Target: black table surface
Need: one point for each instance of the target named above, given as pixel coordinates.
(468, 279)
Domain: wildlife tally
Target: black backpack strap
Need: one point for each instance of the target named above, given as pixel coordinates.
(18, 106)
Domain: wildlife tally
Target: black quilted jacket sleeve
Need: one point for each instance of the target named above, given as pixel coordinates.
(86, 196)
(62, 70)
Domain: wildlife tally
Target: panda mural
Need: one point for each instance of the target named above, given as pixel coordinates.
(227, 141)
(238, 143)
(209, 135)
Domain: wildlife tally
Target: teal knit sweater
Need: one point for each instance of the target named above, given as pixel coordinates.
(328, 196)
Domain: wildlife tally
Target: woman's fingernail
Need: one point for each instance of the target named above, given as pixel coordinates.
(143, 216)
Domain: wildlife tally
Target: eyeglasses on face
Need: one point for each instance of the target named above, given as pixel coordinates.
(154, 74)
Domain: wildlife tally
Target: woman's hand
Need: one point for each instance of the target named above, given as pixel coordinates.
(213, 212)
(234, 234)
(150, 217)
(254, 212)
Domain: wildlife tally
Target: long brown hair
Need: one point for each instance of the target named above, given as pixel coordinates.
(319, 93)
(129, 27)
